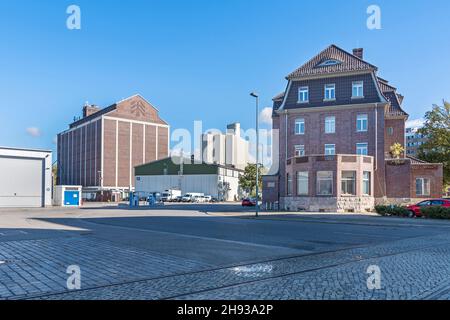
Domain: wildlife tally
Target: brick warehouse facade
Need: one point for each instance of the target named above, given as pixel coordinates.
(100, 151)
(337, 121)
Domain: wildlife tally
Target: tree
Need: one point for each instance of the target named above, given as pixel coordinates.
(247, 181)
(437, 130)
(397, 150)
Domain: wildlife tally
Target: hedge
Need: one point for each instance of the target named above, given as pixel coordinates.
(436, 212)
(392, 211)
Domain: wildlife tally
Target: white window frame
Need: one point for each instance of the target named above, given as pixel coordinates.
(367, 182)
(299, 150)
(423, 186)
(345, 183)
(330, 124)
(303, 95)
(319, 179)
(298, 125)
(328, 147)
(359, 87)
(330, 92)
(362, 146)
(362, 123)
(303, 177)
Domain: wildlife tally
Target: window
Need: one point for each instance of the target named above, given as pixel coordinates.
(329, 62)
(300, 126)
(303, 183)
(424, 203)
(303, 94)
(300, 151)
(324, 183)
(362, 149)
(358, 89)
(367, 183)
(390, 131)
(423, 187)
(330, 92)
(330, 124)
(362, 122)
(348, 183)
(330, 149)
(289, 184)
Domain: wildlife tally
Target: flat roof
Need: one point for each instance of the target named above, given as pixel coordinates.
(26, 149)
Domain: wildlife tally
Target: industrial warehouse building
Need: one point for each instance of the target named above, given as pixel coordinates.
(221, 182)
(100, 150)
(25, 178)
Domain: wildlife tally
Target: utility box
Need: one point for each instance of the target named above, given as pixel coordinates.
(67, 196)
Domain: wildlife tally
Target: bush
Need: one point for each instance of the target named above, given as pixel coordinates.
(392, 211)
(436, 212)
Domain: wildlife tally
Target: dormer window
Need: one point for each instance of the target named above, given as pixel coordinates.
(329, 62)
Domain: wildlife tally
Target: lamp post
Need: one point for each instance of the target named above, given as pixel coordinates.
(256, 96)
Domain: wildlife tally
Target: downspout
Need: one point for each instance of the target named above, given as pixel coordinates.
(286, 135)
(376, 136)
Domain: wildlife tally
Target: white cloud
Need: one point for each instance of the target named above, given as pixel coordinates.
(265, 117)
(415, 123)
(34, 132)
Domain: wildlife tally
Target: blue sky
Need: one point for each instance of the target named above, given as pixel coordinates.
(199, 59)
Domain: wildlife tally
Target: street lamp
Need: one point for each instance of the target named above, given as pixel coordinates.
(256, 96)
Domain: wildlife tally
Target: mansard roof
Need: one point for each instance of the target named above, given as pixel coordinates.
(332, 60)
(390, 93)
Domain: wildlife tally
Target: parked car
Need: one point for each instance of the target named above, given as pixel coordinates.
(247, 202)
(415, 209)
(208, 198)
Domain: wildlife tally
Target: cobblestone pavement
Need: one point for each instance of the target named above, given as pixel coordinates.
(39, 266)
(148, 255)
(410, 269)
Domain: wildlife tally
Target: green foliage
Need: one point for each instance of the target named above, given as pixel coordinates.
(247, 181)
(436, 212)
(437, 130)
(392, 211)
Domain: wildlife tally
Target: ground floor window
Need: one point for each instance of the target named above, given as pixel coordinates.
(324, 183)
(303, 183)
(348, 183)
(367, 183)
(289, 184)
(423, 187)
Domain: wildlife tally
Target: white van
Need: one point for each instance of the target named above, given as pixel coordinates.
(191, 197)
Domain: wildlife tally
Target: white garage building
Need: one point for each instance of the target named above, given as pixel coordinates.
(221, 182)
(25, 178)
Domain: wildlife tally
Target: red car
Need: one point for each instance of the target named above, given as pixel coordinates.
(415, 209)
(248, 203)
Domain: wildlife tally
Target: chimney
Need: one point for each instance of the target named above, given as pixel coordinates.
(359, 52)
(90, 109)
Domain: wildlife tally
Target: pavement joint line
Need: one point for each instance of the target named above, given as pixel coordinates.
(356, 260)
(301, 272)
(186, 235)
(313, 220)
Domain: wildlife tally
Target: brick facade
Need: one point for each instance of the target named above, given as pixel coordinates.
(385, 126)
(101, 150)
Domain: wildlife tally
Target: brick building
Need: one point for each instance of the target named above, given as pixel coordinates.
(337, 121)
(100, 151)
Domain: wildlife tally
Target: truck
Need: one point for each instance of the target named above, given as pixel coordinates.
(170, 195)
